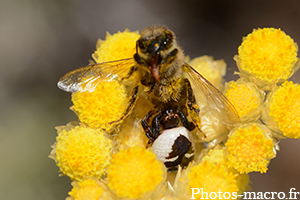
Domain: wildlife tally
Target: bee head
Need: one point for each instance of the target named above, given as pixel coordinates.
(154, 46)
(155, 39)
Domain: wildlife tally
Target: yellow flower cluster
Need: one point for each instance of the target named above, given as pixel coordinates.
(103, 164)
(267, 57)
(105, 152)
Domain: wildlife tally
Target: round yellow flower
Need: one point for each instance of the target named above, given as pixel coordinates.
(281, 112)
(218, 156)
(106, 104)
(82, 151)
(267, 56)
(116, 47)
(250, 148)
(246, 98)
(215, 181)
(89, 189)
(135, 172)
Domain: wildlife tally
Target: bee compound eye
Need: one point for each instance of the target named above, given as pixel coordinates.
(141, 44)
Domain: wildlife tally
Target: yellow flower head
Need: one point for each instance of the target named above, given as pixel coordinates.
(218, 156)
(88, 188)
(211, 178)
(106, 104)
(250, 148)
(212, 70)
(246, 98)
(82, 151)
(213, 175)
(282, 110)
(135, 172)
(267, 55)
(116, 47)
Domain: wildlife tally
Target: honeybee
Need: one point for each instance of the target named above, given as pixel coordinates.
(159, 68)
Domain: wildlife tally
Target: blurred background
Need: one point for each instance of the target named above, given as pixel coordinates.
(42, 40)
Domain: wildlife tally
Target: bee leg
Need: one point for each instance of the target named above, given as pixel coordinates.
(130, 107)
(193, 108)
(189, 125)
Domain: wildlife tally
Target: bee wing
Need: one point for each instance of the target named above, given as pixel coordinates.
(87, 78)
(208, 95)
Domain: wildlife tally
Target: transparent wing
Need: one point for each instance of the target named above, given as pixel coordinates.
(207, 95)
(88, 77)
